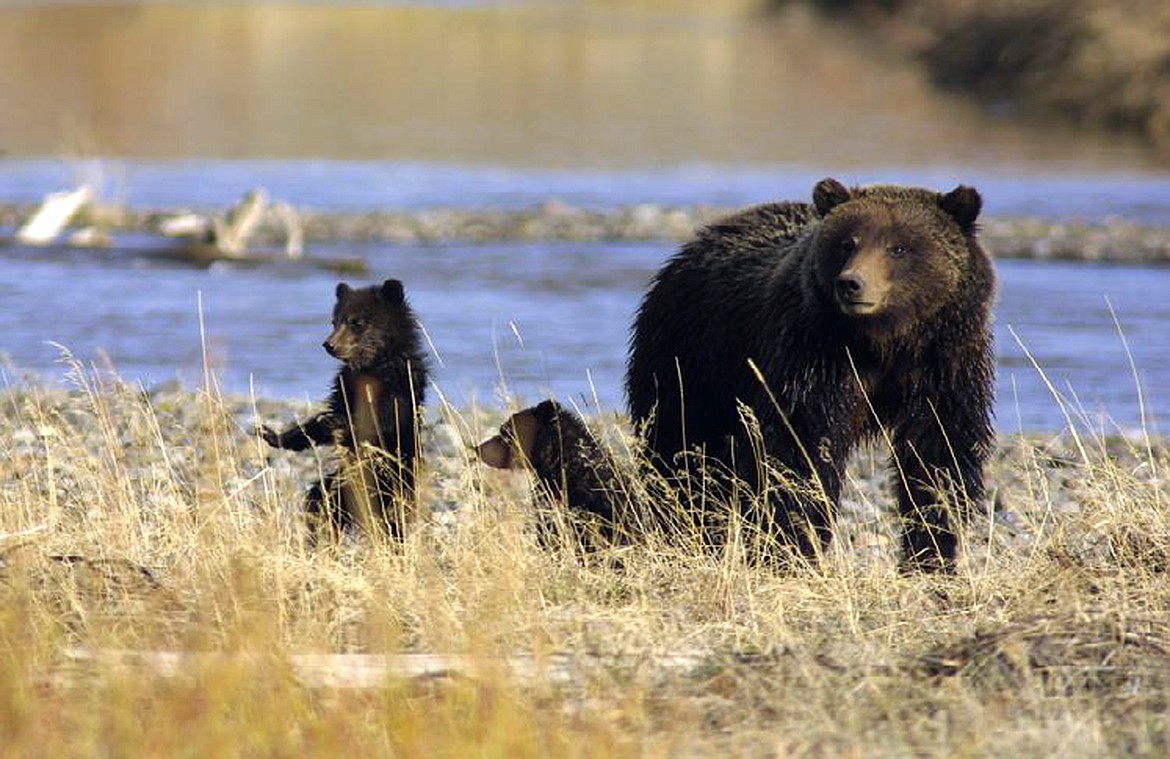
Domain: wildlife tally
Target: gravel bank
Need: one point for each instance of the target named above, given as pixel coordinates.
(1115, 240)
(170, 445)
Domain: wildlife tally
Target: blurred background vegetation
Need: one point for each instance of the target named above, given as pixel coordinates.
(1095, 62)
(580, 82)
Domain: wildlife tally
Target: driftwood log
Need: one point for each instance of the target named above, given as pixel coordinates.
(54, 214)
(364, 670)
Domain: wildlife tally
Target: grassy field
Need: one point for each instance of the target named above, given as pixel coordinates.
(157, 599)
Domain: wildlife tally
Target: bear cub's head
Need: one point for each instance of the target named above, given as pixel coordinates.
(370, 324)
(531, 437)
(889, 255)
(516, 444)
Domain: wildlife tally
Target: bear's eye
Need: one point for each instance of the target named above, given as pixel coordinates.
(897, 251)
(357, 324)
(849, 245)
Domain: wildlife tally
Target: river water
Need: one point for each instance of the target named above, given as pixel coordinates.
(597, 103)
(526, 320)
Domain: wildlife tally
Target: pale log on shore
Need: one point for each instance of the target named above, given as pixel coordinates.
(90, 237)
(54, 214)
(294, 232)
(233, 233)
(185, 225)
(369, 670)
(20, 537)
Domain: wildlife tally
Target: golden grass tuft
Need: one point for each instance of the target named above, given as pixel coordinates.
(157, 598)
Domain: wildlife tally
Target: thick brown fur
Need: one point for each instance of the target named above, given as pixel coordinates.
(372, 414)
(868, 315)
(573, 470)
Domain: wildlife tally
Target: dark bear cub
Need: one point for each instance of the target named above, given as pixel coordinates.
(572, 469)
(863, 315)
(372, 415)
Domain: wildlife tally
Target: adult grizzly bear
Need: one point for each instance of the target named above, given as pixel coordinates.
(372, 414)
(867, 314)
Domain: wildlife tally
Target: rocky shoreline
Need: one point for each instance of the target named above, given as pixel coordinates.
(1114, 240)
(53, 438)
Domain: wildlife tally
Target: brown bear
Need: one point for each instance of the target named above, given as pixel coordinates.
(572, 470)
(864, 315)
(372, 414)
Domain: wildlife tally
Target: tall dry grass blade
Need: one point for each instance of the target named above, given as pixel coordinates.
(814, 474)
(1056, 395)
(1143, 409)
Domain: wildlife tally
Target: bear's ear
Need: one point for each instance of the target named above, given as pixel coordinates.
(547, 410)
(828, 194)
(963, 205)
(343, 290)
(392, 291)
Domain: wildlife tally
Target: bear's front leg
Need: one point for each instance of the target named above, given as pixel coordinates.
(939, 480)
(318, 430)
(325, 514)
(804, 498)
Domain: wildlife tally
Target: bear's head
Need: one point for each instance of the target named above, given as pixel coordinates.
(518, 438)
(890, 258)
(368, 322)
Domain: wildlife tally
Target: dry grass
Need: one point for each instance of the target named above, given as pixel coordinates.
(167, 528)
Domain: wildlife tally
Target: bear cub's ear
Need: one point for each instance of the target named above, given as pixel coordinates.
(963, 205)
(547, 411)
(392, 291)
(343, 290)
(828, 194)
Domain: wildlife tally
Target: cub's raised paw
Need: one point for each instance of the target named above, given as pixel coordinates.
(270, 436)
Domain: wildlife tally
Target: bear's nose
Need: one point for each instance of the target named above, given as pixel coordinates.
(328, 346)
(850, 284)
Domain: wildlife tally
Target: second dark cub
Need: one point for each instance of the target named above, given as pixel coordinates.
(573, 470)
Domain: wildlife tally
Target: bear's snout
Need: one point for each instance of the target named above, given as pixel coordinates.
(862, 286)
(855, 295)
(850, 286)
(495, 453)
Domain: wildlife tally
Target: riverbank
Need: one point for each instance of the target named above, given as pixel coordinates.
(1097, 63)
(1114, 240)
(152, 565)
(161, 431)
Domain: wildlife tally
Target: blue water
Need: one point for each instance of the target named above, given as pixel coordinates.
(530, 319)
(361, 106)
